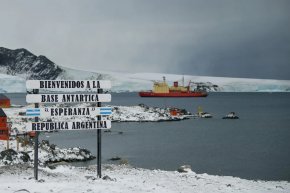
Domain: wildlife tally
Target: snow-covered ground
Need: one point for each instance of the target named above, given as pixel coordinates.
(125, 179)
(142, 113)
(134, 82)
(18, 176)
(21, 151)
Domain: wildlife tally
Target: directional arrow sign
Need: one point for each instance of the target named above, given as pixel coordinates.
(80, 85)
(76, 125)
(68, 111)
(67, 98)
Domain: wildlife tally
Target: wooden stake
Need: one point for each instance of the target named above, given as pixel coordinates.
(7, 143)
(17, 143)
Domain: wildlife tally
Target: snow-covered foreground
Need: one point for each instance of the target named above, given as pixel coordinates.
(18, 176)
(126, 179)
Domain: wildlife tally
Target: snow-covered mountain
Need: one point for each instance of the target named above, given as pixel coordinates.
(21, 62)
(18, 65)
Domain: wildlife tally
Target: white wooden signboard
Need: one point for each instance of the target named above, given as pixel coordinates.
(68, 85)
(67, 98)
(76, 125)
(68, 111)
(72, 85)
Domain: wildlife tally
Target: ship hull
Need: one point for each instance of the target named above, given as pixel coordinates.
(173, 94)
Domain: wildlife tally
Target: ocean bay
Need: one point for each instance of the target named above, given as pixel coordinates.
(256, 146)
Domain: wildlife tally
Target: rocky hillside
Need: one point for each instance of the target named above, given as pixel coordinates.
(21, 62)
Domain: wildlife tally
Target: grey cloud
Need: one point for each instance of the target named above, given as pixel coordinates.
(247, 38)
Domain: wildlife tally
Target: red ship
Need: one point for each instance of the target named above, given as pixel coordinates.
(161, 89)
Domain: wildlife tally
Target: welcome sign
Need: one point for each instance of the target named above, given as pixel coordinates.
(68, 85)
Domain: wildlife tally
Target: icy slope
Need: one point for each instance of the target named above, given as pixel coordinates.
(11, 84)
(224, 84)
(22, 63)
(143, 81)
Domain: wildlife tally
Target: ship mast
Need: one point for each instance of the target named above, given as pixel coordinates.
(183, 81)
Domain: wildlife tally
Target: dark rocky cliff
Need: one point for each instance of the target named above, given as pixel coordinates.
(21, 62)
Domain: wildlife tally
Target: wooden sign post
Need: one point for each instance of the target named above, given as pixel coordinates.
(36, 119)
(70, 85)
(99, 145)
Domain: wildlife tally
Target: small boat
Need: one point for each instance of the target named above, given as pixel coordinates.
(205, 115)
(231, 115)
(201, 114)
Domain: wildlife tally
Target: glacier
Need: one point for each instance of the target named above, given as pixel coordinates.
(11, 84)
(134, 82)
(20, 64)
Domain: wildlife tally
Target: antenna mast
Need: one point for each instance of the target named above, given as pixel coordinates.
(183, 80)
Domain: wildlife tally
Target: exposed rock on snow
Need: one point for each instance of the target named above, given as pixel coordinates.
(184, 169)
(9, 156)
(47, 153)
(52, 153)
(115, 158)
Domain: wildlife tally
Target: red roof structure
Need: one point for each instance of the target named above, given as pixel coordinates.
(4, 101)
(4, 129)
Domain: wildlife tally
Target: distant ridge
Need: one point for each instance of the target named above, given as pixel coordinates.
(21, 62)
(18, 65)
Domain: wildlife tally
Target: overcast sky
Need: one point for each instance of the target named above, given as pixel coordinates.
(234, 38)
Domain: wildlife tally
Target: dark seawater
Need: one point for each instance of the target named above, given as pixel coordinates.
(257, 146)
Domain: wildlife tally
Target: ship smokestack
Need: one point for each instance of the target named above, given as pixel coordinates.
(175, 84)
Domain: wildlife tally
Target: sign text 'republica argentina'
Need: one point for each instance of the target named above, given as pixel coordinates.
(68, 111)
(80, 85)
(76, 125)
(67, 98)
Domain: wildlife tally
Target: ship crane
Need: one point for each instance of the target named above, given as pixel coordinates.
(191, 83)
(197, 86)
